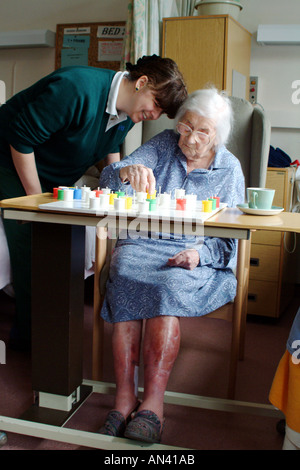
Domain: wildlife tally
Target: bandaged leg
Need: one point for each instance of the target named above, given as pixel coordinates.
(161, 346)
(126, 341)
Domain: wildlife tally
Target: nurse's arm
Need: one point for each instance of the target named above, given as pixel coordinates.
(27, 171)
(112, 158)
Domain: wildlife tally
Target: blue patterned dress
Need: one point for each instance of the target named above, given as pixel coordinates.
(141, 285)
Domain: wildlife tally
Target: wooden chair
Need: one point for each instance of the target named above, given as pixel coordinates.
(250, 142)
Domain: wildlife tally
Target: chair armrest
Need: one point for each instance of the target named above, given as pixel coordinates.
(260, 147)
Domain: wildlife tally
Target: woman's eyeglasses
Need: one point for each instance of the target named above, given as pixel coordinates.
(185, 130)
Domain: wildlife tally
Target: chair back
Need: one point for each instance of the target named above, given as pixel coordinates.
(249, 140)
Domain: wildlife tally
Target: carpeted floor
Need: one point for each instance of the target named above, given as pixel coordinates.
(201, 369)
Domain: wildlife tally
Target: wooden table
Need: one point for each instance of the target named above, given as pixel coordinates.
(229, 218)
(57, 313)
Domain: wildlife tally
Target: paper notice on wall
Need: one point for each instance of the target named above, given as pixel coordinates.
(112, 32)
(74, 56)
(78, 30)
(74, 40)
(110, 51)
(75, 47)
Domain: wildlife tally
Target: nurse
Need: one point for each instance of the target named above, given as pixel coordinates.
(54, 130)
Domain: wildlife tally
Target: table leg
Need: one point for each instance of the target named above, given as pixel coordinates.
(57, 313)
(102, 261)
(240, 313)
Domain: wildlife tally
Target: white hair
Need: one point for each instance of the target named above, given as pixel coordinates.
(212, 104)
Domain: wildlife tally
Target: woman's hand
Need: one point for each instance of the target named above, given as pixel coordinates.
(187, 259)
(140, 177)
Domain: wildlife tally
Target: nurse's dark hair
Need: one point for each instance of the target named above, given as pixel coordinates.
(164, 80)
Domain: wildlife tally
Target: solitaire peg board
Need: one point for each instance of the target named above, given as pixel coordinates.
(80, 207)
(93, 44)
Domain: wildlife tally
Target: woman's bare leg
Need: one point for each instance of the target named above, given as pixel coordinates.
(126, 341)
(161, 346)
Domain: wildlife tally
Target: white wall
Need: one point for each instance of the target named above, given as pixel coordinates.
(20, 68)
(276, 67)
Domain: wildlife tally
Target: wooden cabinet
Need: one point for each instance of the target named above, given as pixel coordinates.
(272, 263)
(208, 49)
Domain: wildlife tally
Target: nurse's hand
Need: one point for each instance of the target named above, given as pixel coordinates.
(140, 177)
(187, 259)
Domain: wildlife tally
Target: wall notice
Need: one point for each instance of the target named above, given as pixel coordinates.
(92, 44)
(106, 31)
(110, 50)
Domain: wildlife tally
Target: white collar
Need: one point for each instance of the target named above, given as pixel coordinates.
(115, 117)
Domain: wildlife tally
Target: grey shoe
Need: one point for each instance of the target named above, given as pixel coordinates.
(145, 427)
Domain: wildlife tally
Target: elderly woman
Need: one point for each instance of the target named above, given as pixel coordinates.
(160, 280)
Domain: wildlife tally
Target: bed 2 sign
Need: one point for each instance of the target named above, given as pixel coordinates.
(112, 32)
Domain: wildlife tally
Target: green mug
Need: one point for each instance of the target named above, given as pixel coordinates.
(260, 198)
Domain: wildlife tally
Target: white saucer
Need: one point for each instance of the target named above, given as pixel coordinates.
(246, 209)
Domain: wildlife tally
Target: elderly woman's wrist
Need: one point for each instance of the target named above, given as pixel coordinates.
(204, 255)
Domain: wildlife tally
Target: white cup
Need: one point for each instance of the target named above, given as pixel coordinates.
(104, 201)
(119, 203)
(105, 190)
(68, 194)
(191, 201)
(179, 193)
(165, 201)
(143, 206)
(94, 203)
(141, 196)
